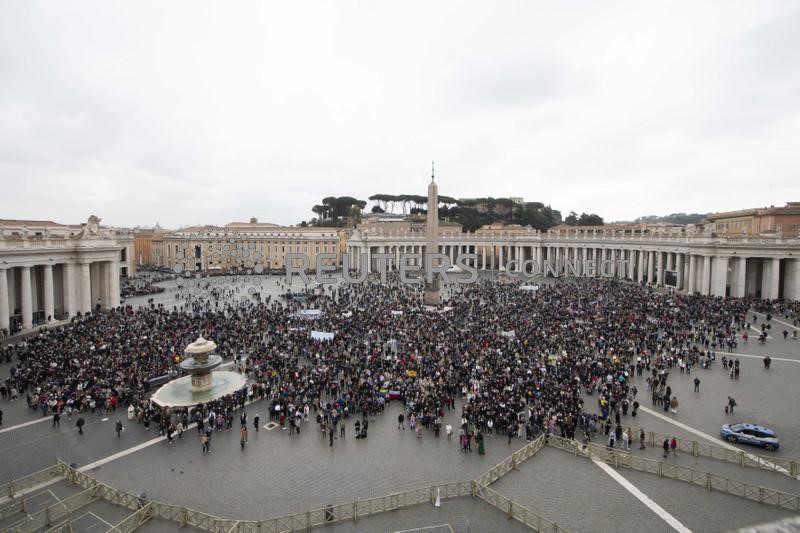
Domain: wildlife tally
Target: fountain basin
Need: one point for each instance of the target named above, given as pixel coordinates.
(183, 392)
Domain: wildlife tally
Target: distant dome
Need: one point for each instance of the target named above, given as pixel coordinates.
(253, 220)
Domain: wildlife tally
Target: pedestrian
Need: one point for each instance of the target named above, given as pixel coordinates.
(118, 427)
(243, 436)
(641, 439)
(400, 421)
(206, 443)
(665, 445)
(256, 418)
(673, 445)
(696, 384)
(80, 423)
(449, 430)
(56, 419)
(731, 403)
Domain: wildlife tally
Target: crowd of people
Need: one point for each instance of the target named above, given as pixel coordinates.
(519, 362)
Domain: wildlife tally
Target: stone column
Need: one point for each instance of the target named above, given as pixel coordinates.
(659, 268)
(48, 293)
(670, 261)
(632, 264)
(741, 278)
(679, 263)
(692, 269)
(614, 258)
(705, 283)
(773, 278)
(791, 287)
(68, 285)
(500, 258)
(5, 316)
(27, 303)
(720, 276)
(639, 270)
(650, 261)
(113, 297)
(557, 260)
(483, 258)
(86, 288)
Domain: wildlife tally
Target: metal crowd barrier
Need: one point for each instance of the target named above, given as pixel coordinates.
(782, 465)
(707, 480)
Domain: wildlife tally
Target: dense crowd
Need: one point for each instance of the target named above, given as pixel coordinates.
(520, 362)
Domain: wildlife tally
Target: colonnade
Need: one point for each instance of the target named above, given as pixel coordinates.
(39, 293)
(766, 274)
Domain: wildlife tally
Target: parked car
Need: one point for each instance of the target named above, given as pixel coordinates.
(750, 434)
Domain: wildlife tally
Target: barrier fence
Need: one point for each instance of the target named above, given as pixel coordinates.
(707, 480)
(511, 462)
(787, 466)
(56, 516)
(515, 510)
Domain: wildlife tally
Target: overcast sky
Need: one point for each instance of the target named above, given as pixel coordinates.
(201, 112)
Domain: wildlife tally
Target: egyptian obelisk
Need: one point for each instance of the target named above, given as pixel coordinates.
(432, 241)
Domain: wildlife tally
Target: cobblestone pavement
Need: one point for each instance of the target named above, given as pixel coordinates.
(277, 474)
(700, 510)
(462, 514)
(576, 495)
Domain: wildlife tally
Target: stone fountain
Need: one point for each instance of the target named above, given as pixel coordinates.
(203, 384)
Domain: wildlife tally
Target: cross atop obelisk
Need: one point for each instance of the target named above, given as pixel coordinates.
(432, 239)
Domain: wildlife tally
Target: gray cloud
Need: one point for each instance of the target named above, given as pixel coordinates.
(148, 111)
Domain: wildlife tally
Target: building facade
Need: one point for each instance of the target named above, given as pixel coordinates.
(51, 271)
(143, 244)
(772, 220)
(244, 245)
(706, 263)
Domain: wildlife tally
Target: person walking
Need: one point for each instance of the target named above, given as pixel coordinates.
(696, 384)
(80, 423)
(118, 428)
(243, 436)
(665, 445)
(56, 419)
(641, 439)
(256, 418)
(673, 445)
(401, 421)
(449, 430)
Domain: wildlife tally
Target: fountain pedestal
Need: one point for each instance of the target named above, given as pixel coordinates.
(202, 384)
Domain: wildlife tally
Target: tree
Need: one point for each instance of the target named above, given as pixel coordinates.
(590, 220)
(377, 209)
(303, 224)
(572, 219)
